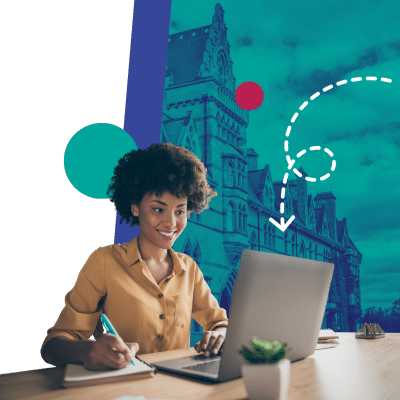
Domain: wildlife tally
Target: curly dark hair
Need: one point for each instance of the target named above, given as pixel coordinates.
(160, 167)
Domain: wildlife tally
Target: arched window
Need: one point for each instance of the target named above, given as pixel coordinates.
(310, 251)
(197, 253)
(229, 175)
(316, 252)
(231, 217)
(265, 196)
(253, 241)
(265, 234)
(239, 142)
(286, 242)
(288, 208)
(188, 145)
(302, 249)
(244, 219)
(273, 237)
(240, 176)
(312, 221)
(270, 238)
(188, 248)
(293, 245)
(221, 68)
(325, 228)
(240, 218)
(269, 198)
(223, 128)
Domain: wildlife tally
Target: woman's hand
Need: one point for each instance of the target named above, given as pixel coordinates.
(109, 352)
(211, 342)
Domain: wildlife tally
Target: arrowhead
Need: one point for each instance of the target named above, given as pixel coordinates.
(282, 226)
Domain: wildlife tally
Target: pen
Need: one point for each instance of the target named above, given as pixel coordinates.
(110, 329)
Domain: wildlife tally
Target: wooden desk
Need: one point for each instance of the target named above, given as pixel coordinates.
(355, 369)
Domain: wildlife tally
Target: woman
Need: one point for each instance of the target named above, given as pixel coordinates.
(148, 291)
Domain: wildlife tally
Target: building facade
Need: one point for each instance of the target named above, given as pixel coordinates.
(201, 114)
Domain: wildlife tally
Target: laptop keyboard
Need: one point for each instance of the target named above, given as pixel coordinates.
(210, 367)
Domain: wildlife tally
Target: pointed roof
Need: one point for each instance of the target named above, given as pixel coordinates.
(309, 202)
(277, 189)
(165, 117)
(298, 219)
(185, 53)
(304, 173)
(257, 178)
(341, 227)
(251, 152)
(251, 194)
(352, 244)
(174, 127)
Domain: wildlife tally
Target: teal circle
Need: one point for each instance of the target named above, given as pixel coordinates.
(91, 156)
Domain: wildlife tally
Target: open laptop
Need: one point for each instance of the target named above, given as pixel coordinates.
(275, 297)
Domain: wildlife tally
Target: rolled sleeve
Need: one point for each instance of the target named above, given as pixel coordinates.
(206, 310)
(82, 310)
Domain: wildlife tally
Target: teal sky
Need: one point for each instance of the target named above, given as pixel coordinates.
(294, 49)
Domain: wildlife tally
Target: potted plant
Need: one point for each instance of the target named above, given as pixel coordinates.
(267, 374)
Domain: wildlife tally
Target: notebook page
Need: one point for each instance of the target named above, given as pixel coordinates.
(327, 333)
(78, 373)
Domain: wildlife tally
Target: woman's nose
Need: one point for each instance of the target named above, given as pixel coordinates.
(169, 220)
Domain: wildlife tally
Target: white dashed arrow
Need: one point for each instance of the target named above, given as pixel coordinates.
(282, 225)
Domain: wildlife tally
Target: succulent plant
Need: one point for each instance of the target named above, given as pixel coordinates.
(264, 352)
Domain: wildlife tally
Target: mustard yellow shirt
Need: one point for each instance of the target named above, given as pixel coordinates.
(115, 280)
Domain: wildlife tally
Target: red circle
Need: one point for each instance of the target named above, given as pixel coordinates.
(249, 96)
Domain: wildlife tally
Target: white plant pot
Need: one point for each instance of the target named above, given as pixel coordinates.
(267, 381)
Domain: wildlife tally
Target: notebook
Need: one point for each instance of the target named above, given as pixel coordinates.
(77, 375)
(326, 339)
(326, 336)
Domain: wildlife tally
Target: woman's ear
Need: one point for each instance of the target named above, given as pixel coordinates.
(135, 210)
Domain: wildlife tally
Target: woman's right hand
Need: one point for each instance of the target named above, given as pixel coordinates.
(109, 352)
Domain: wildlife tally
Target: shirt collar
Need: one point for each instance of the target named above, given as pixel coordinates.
(133, 256)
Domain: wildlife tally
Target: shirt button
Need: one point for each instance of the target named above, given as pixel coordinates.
(160, 337)
(160, 295)
(167, 280)
(162, 316)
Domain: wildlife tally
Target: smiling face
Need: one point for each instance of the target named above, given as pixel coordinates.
(162, 219)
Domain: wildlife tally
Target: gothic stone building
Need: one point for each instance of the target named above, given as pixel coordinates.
(201, 114)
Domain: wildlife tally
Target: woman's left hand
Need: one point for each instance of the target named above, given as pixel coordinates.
(211, 342)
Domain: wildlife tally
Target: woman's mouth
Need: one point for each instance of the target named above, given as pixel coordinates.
(166, 234)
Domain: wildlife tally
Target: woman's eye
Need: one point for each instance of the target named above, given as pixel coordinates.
(159, 210)
(181, 212)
